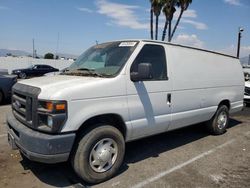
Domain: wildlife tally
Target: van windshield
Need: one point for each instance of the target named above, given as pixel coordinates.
(102, 60)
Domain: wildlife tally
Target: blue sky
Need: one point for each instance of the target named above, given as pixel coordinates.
(207, 24)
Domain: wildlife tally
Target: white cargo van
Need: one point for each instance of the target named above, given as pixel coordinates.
(117, 92)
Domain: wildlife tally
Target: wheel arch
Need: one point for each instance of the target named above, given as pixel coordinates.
(112, 119)
(225, 102)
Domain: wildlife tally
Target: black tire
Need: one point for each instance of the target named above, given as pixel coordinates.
(219, 122)
(83, 158)
(1, 97)
(22, 75)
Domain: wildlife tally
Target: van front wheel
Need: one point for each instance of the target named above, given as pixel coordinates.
(219, 122)
(99, 154)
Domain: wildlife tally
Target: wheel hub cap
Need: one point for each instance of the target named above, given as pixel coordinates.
(103, 155)
(222, 120)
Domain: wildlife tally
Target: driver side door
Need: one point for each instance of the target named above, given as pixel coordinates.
(149, 100)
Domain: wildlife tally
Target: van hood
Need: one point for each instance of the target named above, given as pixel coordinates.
(62, 87)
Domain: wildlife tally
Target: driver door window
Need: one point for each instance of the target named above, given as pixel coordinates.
(155, 55)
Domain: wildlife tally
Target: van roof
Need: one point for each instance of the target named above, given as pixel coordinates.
(179, 45)
(189, 47)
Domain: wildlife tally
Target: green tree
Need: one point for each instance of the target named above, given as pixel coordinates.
(49, 56)
(184, 6)
(157, 7)
(168, 10)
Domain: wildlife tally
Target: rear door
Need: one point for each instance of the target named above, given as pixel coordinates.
(149, 101)
(46, 69)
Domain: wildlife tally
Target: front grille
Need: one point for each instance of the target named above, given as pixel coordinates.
(247, 91)
(24, 104)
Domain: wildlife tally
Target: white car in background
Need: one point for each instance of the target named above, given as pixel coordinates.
(247, 93)
(247, 88)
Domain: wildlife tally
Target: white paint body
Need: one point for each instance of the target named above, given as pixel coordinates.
(198, 81)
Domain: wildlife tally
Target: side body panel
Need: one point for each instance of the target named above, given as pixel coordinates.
(201, 80)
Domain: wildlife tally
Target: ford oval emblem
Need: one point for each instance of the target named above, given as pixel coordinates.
(18, 104)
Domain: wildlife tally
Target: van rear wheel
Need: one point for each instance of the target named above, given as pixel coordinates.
(99, 154)
(219, 122)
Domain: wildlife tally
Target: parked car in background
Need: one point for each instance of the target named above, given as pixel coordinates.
(6, 83)
(247, 89)
(34, 70)
(57, 73)
(247, 76)
(4, 72)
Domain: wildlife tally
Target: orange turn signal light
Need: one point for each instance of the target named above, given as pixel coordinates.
(60, 107)
(53, 106)
(49, 106)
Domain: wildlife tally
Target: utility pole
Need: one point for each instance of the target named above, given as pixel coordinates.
(239, 39)
(57, 44)
(33, 42)
(249, 60)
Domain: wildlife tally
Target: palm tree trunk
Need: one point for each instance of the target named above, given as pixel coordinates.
(169, 30)
(176, 25)
(156, 27)
(152, 24)
(164, 30)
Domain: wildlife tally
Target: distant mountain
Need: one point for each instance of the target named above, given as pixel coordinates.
(244, 60)
(4, 52)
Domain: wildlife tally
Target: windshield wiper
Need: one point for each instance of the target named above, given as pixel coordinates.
(83, 72)
(90, 71)
(85, 69)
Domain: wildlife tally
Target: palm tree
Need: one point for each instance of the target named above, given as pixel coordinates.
(157, 7)
(165, 11)
(172, 11)
(164, 30)
(184, 5)
(151, 20)
(168, 11)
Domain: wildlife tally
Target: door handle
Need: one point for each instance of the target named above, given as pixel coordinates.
(169, 99)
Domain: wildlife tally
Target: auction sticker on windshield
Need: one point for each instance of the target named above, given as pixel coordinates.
(127, 44)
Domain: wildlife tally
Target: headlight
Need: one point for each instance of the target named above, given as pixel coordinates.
(51, 115)
(50, 121)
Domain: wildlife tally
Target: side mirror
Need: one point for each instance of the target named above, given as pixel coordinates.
(144, 72)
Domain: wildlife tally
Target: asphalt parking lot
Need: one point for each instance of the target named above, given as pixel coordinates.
(188, 157)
